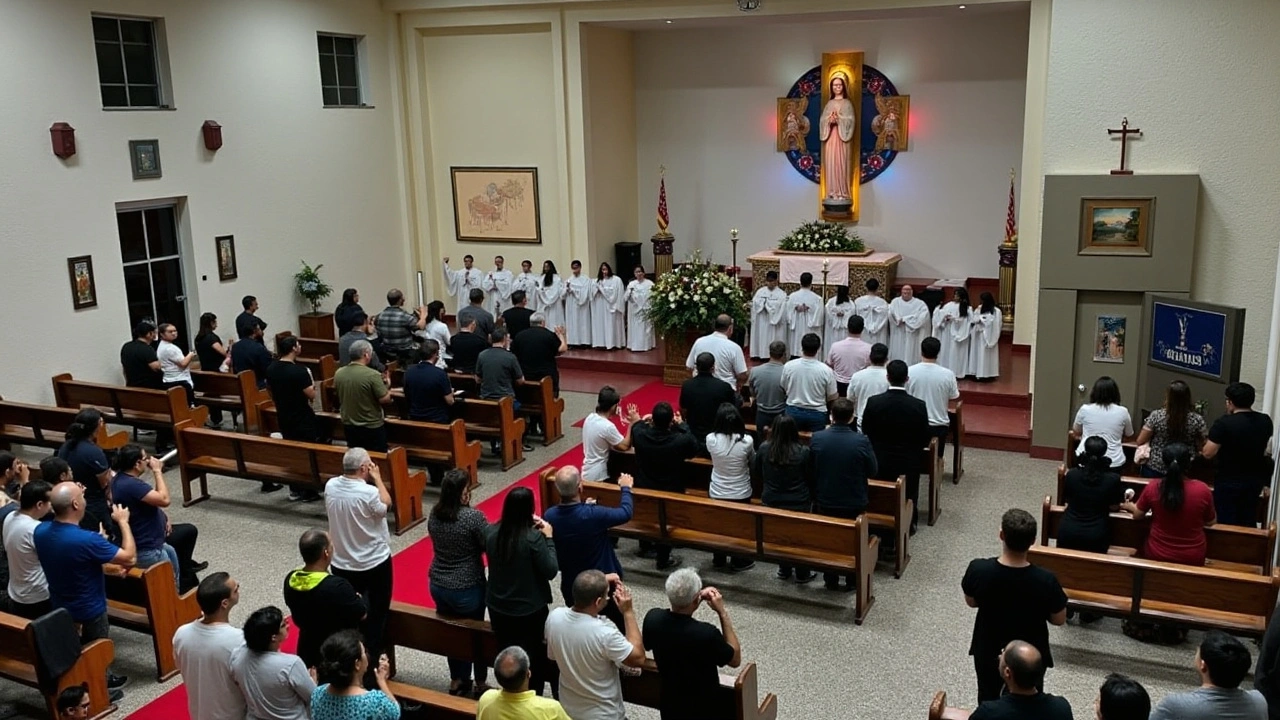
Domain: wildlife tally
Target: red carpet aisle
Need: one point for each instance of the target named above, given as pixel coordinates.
(646, 397)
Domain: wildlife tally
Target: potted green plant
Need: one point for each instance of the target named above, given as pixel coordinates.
(312, 288)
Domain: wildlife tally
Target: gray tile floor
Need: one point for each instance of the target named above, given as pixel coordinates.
(809, 652)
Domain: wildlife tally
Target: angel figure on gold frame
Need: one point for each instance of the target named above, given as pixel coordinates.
(793, 126)
(890, 125)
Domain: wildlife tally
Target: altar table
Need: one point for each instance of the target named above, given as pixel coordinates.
(882, 266)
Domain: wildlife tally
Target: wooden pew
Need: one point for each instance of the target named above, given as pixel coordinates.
(46, 426)
(938, 709)
(426, 442)
(436, 705)
(425, 630)
(955, 413)
(147, 601)
(309, 465)
(1239, 549)
(19, 658)
(1138, 484)
(1152, 591)
(537, 400)
(319, 355)
(136, 407)
(236, 393)
(823, 543)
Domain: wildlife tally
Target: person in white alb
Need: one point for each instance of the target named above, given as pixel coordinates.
(175, 366)
(804, 314)
(731, 365)
(951, 325)
(203, 650)
(909, 323)
(936, 386)
(356, 502)
(600, 435)
(589, 649)
(869, 381)
(549, 295)
(608, 310)
(639, 326)
(498, 285)
(528, 282)
(28, 589)
(875, 314)
(768, 316)
(837, 313)
(460, 283)
(577, 306)
(984, 340)
(810, 385)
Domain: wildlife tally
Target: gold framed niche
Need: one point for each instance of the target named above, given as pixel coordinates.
(848, 64)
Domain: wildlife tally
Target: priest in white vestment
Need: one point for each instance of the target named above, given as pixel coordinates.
(460, 283)
(639, 326)
(951, 323)
(875, 314)
(528, 282)
(768, 318)
(577, 307)
(838, 311)
(549, 291)
(909, 323)
(497, 285)
(804, 315)
(984, 340)
(608, 307)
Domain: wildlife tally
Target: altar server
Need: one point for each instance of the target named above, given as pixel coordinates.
(459, 283)
(548, 292)
(639, 326)
(497, 285)
(804, 315)
(608, 323)
(951, 323)
(875, 314)
(839, 310)
(908, 325)
(577, 307)
(984, 340)
(528, 282)
(768, 322)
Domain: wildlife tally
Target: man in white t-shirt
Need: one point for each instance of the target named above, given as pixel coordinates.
(810, 385)
(936, 386)
(356, 502)
(203, 650)
(869, 381)
(600, 435)
(28, 589)
(731, 364)
(589, 649)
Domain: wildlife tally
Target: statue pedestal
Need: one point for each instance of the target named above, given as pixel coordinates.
(663, 247)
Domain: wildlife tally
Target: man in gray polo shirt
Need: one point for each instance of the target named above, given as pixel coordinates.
(499, 371)
(765, 382)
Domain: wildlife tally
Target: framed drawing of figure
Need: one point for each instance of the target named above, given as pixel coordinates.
(226, 257)
(84, 292)
(498, 204)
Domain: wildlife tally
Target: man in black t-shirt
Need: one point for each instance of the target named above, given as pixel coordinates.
(537, 348)
(465, 347)
(516, 318)
(662, 443)
(138, 358)
(700, 397)
(292, 388)
(689, 652)
(248, 320)
(1014, 600)
(1238, 441)
(1022, 671)
(251, 354)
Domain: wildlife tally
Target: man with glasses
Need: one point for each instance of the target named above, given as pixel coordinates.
(74, 704)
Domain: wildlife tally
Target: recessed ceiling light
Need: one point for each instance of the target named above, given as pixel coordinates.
(670, 21)
(962, 7)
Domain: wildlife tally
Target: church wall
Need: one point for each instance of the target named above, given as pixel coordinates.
(610, 132)
(1196, 78)
(705, 107)
(292, 181)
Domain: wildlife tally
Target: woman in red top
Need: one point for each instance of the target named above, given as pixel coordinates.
(1181, 508)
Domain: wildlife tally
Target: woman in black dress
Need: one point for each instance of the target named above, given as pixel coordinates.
(1091, 492)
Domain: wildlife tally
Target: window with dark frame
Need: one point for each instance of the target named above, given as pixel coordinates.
(128, 72)
(339, 70)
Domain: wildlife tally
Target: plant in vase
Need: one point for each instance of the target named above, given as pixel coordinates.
(822, 237)
(311, 287)
(690, 296)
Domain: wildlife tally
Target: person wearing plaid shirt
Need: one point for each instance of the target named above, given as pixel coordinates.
(396, 327)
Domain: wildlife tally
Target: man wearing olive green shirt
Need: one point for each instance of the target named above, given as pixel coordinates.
(515, 701)
(362, 391)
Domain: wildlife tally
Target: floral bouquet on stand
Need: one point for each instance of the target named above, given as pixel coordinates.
(310, 287)
(822, 237)
(690, 297)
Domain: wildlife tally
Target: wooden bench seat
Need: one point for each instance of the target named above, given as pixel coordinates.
(234, 392)
(436, 705)
(309, 465)
(429, 443)
(135, 407)
(45, 426)
(1230, 547)
(147, 601)
(20, 656)
(537, 401)
(1148, 590)
(423, 629)
(938, 709)
(786, 537)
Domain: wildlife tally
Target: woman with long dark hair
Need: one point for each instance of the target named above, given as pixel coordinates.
(1181, 508)
(344, 315)
(343, 664)
(456, 577)
(90, 468)
(438, 330)
(550, 292)
(522, 564)
(1091, 491)
(984, 339)
(952, 325)
(1176, 422)
(731, 449)
(783, 464)
(214, 357)
(608, 321)
(1106, 418)
(839, 310)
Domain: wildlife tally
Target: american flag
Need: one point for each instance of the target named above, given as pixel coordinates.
(664, 220)
(1010, 223)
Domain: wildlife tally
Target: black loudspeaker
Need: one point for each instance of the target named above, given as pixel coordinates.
(627, 255)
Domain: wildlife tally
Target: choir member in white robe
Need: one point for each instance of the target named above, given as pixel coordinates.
(608, 308)
(459, 283)
(577, 307)
(839, 310)
(909, 322)
(768, 316)
(951, 323)
(549, 292)
(804, 315)
(639, 327)
(497, 285)
(984, 340)
(875, 314)
(528, 282)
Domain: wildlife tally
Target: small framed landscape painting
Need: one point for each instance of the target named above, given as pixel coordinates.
(496, 204)
(1109, 347)
(226, 257)
(1116, 226)
(84, 291)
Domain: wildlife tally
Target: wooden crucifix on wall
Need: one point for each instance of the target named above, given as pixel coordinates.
(1124, 132)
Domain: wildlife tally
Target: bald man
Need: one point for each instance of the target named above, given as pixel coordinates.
(582, 530)
(1022, 670)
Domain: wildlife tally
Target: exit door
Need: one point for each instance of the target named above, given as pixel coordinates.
(152, 260)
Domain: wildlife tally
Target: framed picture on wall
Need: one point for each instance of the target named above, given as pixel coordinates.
(84, 291)
(226, 257)
(1116, 226)
(498, 204)
(144, 155)
(1109, 343)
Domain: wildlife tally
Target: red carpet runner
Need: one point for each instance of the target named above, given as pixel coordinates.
(412, 563)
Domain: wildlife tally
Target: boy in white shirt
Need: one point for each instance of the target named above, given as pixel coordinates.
(600, 435)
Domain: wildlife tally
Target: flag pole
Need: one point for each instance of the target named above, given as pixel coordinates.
(1008, 251)
(663, 241)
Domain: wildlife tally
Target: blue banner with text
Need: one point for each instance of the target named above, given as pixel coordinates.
(1187, 338)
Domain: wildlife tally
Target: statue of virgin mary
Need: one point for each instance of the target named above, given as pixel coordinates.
(837, 133)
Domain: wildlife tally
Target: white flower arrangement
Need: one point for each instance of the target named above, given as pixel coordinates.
(822, 237)
(693, 293)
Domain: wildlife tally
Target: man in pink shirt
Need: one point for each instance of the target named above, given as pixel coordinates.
(849, 355)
